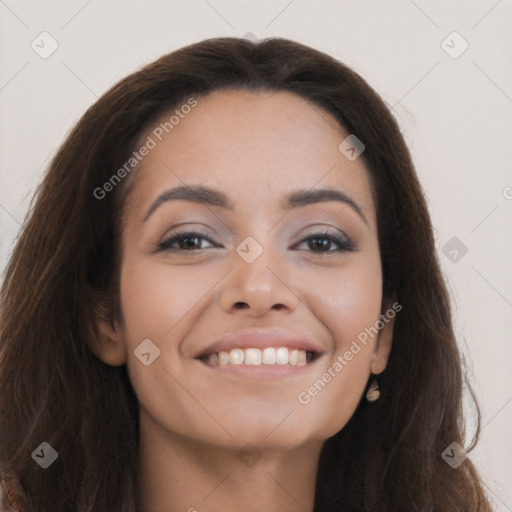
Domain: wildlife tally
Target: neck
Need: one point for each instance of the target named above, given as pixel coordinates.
(177, 474)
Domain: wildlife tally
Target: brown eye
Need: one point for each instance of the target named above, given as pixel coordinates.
(187, 241)
(324, 241)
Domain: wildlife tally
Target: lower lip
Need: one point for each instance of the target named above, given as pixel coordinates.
(265, 371)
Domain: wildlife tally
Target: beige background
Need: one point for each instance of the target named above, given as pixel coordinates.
(456, 114)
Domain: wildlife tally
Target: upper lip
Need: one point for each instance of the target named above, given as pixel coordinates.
(260, 338)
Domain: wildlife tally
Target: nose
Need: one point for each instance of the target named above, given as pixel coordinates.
(254, 289)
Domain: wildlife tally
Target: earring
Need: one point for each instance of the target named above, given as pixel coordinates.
(373, 393)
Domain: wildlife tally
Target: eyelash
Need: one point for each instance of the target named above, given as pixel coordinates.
(344, 244)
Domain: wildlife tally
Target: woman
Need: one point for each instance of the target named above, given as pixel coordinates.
(226, 295)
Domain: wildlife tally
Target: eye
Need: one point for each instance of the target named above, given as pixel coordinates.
(187, 241)
(325, 239)
(191, 241)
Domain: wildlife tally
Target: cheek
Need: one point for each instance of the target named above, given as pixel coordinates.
(348, 299)
(348, 303)
(155, 297)
(158, 304)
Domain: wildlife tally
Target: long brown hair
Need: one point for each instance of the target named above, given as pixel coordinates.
(64, 272)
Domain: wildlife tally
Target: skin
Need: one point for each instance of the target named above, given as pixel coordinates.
(256, 148)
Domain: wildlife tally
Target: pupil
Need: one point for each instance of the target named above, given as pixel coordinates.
(323, 242)
(186, 240)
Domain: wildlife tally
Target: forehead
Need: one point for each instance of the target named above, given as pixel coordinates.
(256, 146)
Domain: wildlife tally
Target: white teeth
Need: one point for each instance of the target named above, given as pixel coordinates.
(223, 358)
(255, 356)
(282, 355)
(252, 356)
(213, 359)
(269, 355)
(236, 356)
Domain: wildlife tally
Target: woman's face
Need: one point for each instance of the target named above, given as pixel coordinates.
(308, 267)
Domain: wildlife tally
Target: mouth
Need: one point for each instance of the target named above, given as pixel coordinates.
(268, 356)
(265, 353)
(268, 361)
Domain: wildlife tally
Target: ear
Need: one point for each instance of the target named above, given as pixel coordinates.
(109, 343)
(385, 340)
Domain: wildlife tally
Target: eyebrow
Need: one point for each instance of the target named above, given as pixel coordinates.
(206, 195)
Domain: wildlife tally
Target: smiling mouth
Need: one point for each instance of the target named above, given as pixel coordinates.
(269, 356)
